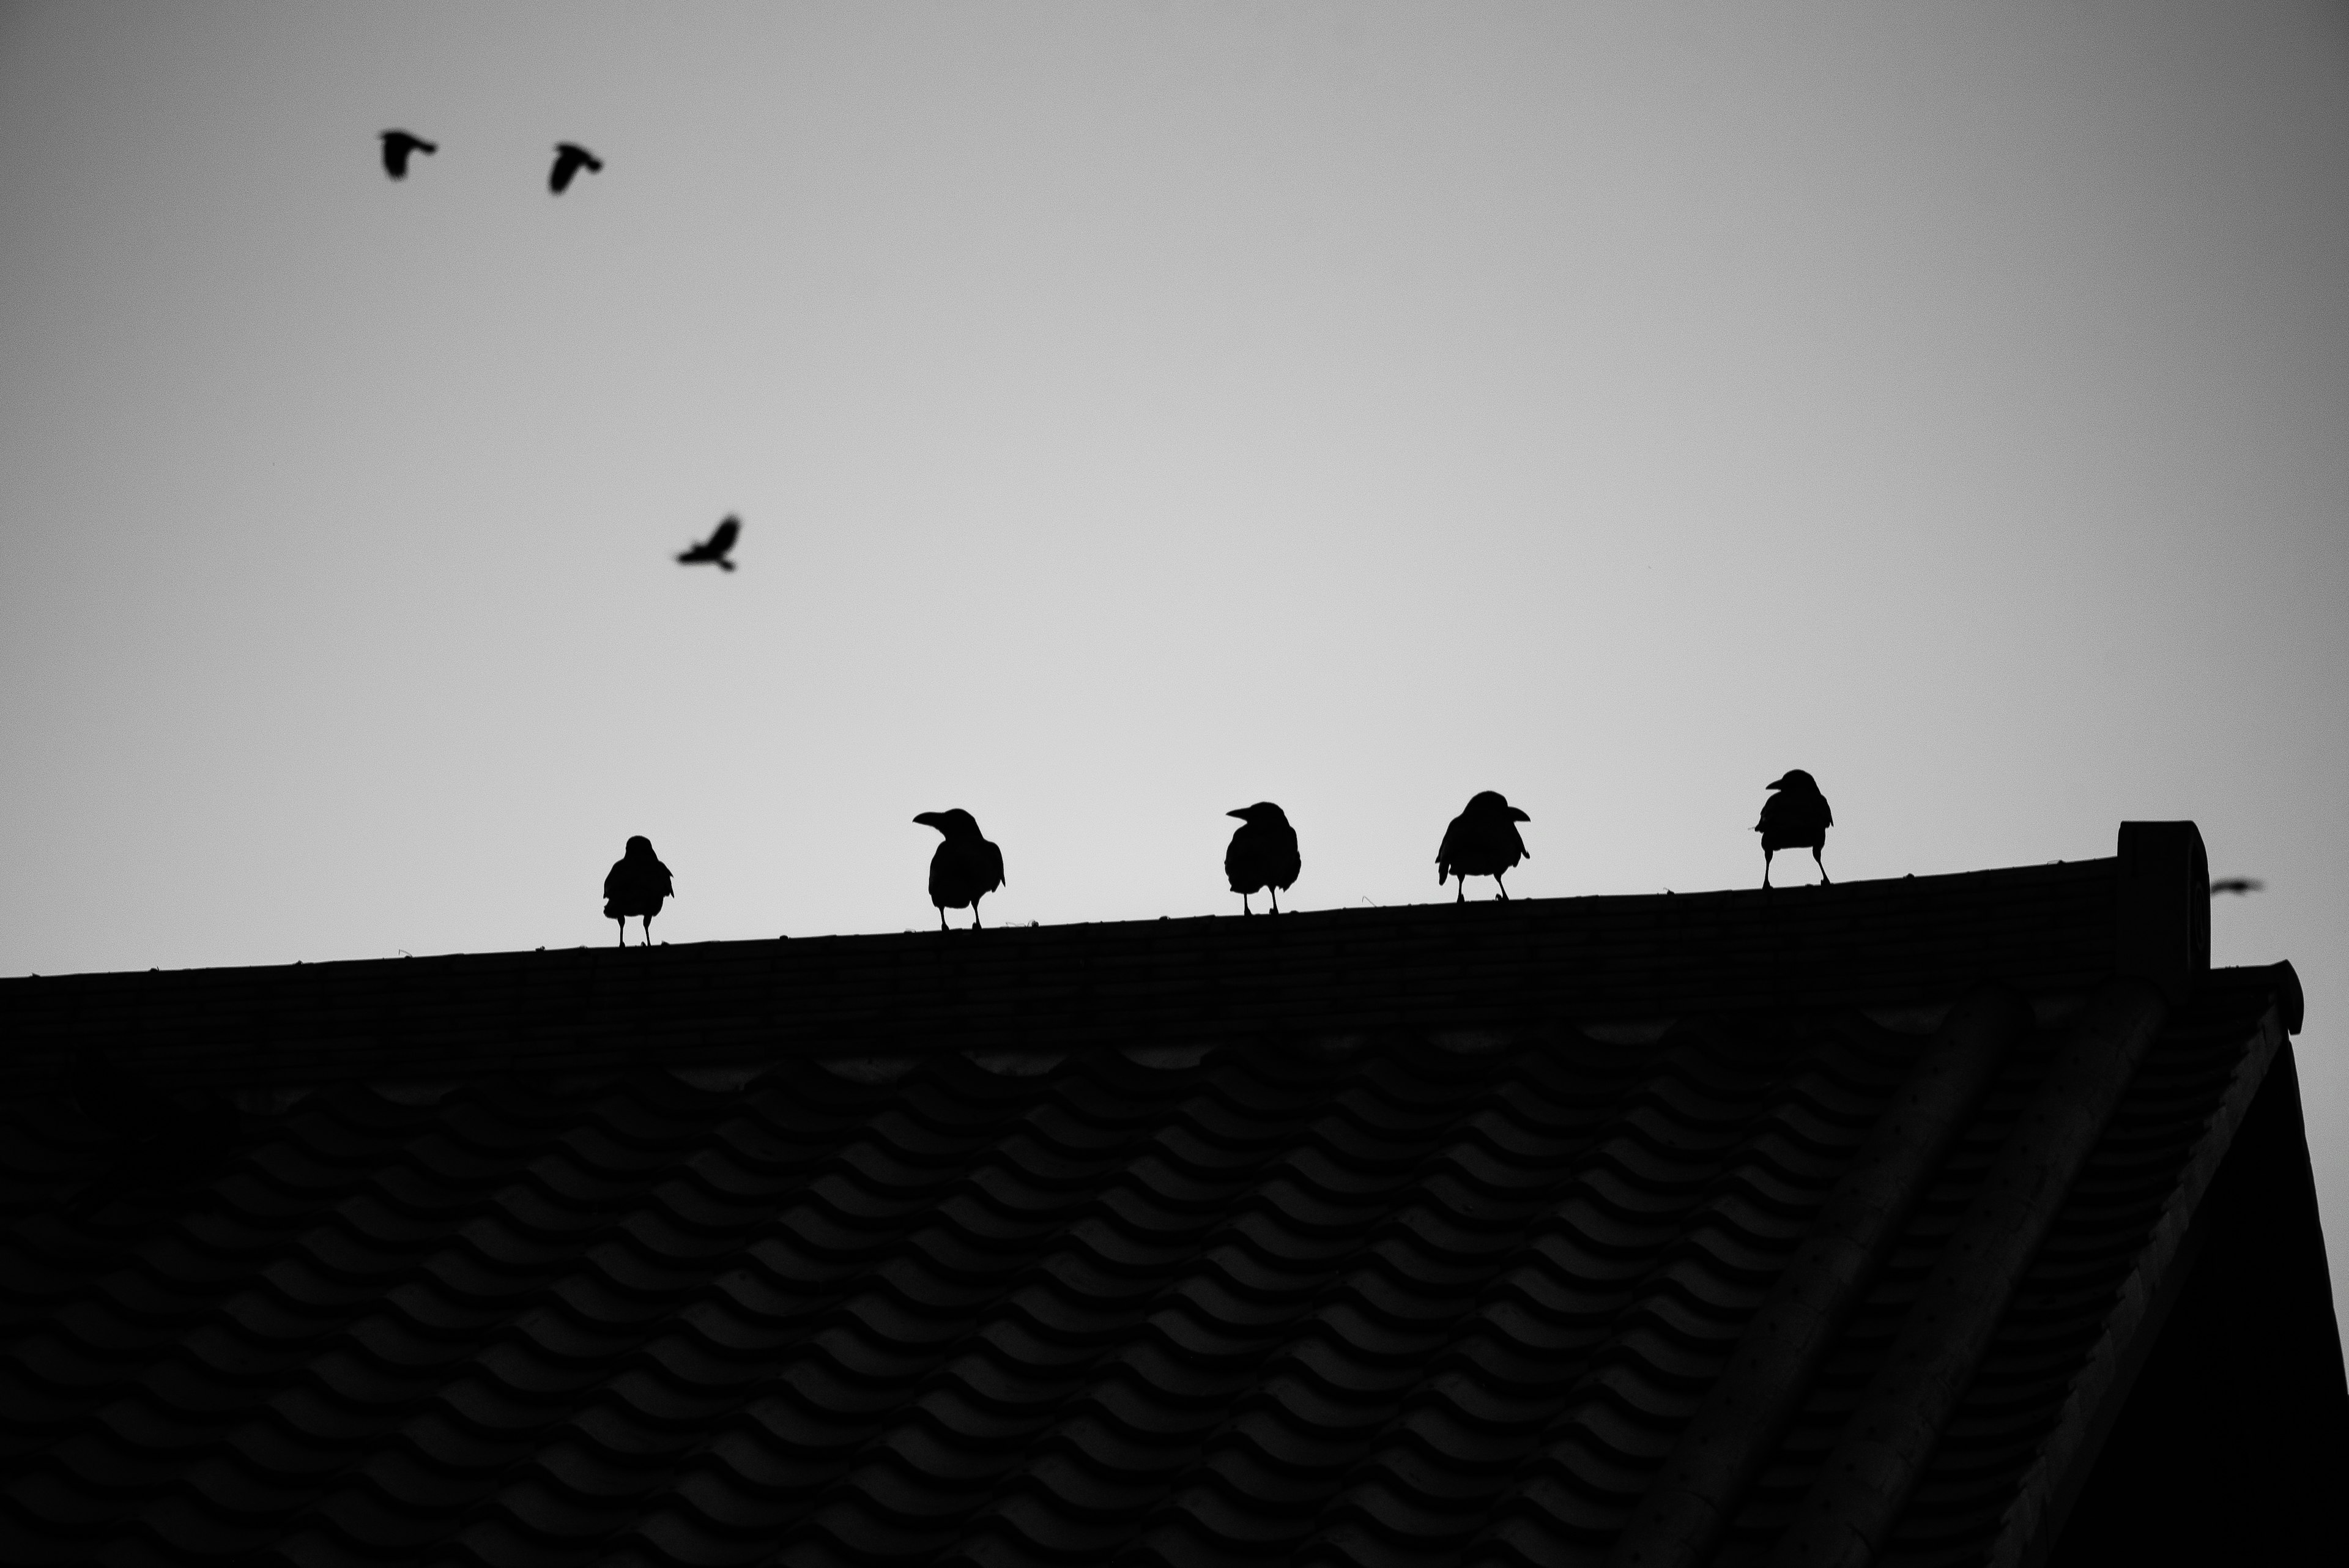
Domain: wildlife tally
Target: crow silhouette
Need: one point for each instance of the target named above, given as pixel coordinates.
(1795, 817)
(966, 867)
(1263, 854)
(398, 146)
(2236, 885)
(1483, 841)
(713, 550)
(569, 159)
(637, 884)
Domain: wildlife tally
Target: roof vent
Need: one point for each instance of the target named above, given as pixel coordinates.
(2161, 929)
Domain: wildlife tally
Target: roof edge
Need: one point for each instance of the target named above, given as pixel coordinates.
(2034, 1519)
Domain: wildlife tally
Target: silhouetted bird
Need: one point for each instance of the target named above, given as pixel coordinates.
(1795, 817)
(569, 159)
(966, 867)
(636, 884)
(2236, 885)
(1483, 841)
(1263, 854)
(713, 550)
(398, 146)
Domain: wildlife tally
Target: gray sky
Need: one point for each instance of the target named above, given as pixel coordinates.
(1139, 411)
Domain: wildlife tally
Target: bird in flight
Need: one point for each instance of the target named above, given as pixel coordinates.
(1483, 841)
(569, 159)
(2236, 885)
(966, 867)
(398, 146)
(1263, 855)
(713, 550)
(1795, 817)
(637, 884)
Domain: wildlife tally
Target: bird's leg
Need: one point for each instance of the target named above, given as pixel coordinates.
(974, 917)
(942, 916)
(621, 922)
(1824, 881)
(1765, 870)
(1273, 893)
(1244, 908)
(648, 930)
(1461, 896)
(1504, 887)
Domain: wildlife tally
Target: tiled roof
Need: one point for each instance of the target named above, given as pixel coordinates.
(1406, 1236)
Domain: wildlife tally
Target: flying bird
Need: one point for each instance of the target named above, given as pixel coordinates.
(569, 159)
(637, 884)
(965, 869)
(398, 146)
(1263, 854)
(2236, 885)
(713, 550)
(1483, 841)
(1795, 817)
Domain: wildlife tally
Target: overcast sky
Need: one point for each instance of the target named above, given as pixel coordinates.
(1139, 411)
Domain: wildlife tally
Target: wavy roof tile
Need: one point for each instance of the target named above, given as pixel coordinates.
(1839, 1224)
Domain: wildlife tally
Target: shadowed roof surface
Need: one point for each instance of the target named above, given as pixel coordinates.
(1404, 1236)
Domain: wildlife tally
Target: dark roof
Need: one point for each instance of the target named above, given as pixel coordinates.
(1408, 1235)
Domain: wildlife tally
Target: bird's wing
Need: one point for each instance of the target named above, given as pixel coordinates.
(728, 532)
(994, 852)
(1291, 862)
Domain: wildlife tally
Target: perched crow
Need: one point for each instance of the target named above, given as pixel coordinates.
(2236, 885)
(966, 868)
(1263, 854)
(1483, 841)
(714, 549)
(398, 146)
(636, 884)
(1796, 817)
(569, 159)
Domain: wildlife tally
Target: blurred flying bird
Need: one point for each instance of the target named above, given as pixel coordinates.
(966, 867)
(569, 159)
(636, 884)
(398, 146)
(2236, 885)
(1483, 841)
(713, 550)
(1795, 817)
(1263, 854)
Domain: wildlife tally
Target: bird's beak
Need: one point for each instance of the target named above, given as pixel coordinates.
(927, 819)
(1517, 816)
(1241, 815)
(1777, 783)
